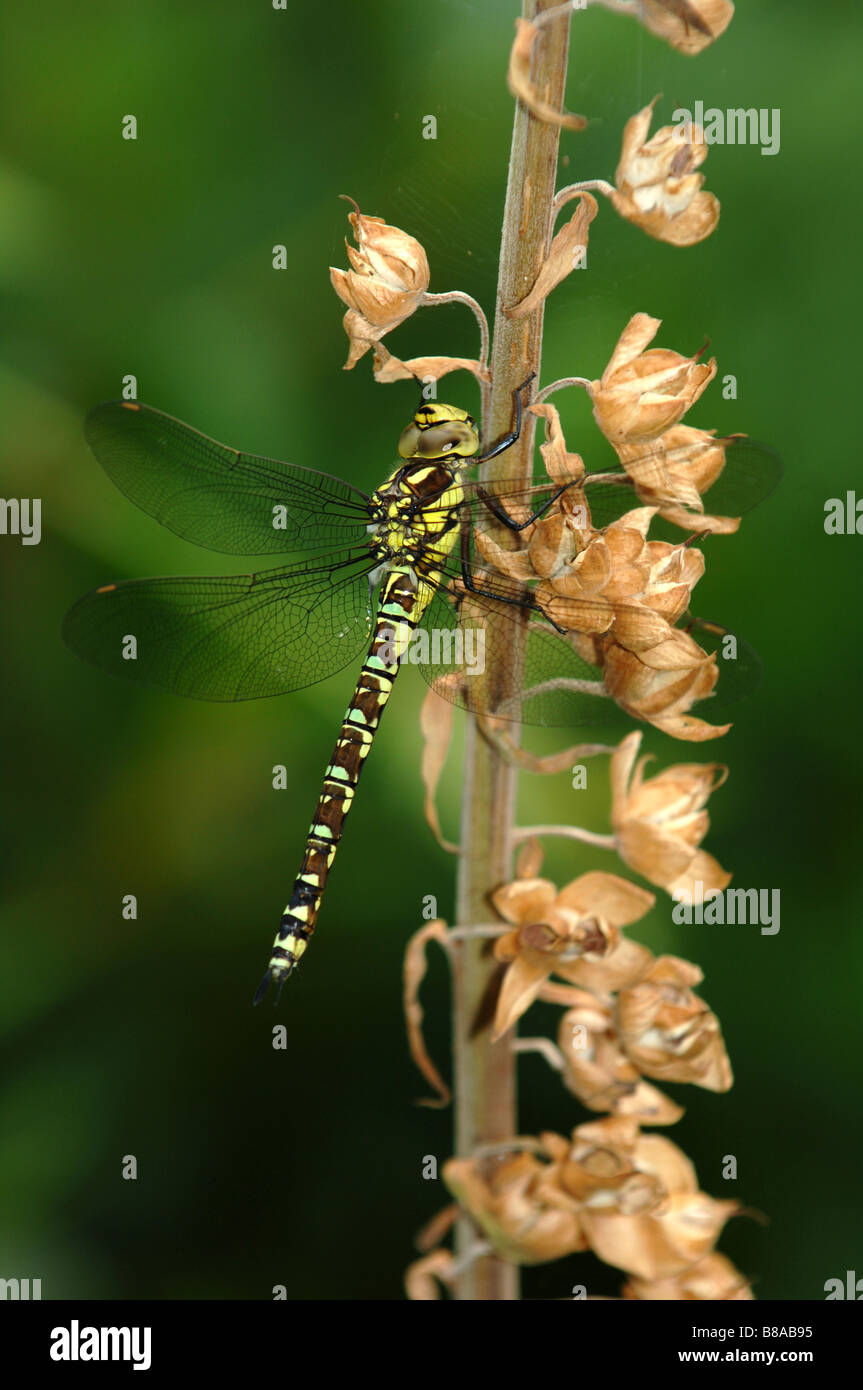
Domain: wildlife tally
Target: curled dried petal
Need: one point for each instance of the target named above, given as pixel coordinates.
(565, 254)
(424, 1277)
(388, 368)
(519, 81)
(436, 725)
(414, 970)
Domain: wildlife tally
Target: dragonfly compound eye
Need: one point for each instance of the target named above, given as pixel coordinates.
(437, 441)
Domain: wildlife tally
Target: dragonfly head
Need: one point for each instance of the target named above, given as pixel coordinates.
(439, 431)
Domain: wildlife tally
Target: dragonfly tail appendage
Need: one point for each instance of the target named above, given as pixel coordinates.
(397, 617)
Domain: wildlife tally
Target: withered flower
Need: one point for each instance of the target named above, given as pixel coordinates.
(389, 276)
(572, 560)
(561, 465)
(599, 1072)
(673, 472)
(657, 186)
(660, 684)
(688, 25)
(597, 1169)
(619, 596)
(636, 1196)
(504, 1200)
(593, 580)
(713, 1279)
(642, 393)
(659, 822)
(619, 581)
(660, 1243)
(667, 1032)
(574, 934)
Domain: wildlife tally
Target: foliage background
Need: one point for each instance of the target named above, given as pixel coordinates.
(303, 1167)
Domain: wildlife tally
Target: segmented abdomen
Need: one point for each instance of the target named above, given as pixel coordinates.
(399, 611)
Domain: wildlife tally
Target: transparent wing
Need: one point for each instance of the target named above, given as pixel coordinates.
(547, 681)
(482, 620)
(239, 637)
(750, 474)
(740, 668)
(549, 677)
(215, 496)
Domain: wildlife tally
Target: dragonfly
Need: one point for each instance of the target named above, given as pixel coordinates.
(396, 574)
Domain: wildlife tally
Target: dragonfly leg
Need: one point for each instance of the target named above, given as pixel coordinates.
(497, 510)
(508, 439)
(527, 603)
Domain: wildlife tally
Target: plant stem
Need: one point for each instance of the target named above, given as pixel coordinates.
(563, 382)
(569, 832)
(574, 190)
(484, 1072)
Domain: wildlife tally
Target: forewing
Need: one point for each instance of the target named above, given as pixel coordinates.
(239, 637)
(215, 496)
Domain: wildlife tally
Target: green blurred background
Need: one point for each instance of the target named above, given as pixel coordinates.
(303, 1167)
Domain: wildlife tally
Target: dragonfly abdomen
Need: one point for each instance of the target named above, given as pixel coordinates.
(398, 613)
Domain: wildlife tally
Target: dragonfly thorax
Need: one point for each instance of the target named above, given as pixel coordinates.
(414, 511)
